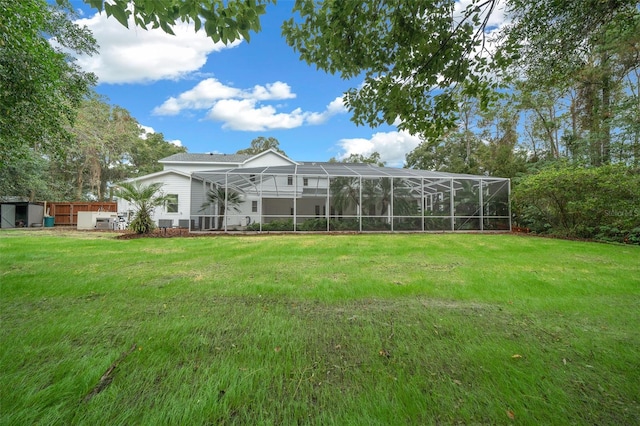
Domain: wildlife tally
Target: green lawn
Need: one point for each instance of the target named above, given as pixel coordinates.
(317, 329)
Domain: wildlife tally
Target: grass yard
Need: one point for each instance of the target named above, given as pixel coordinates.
(317, 329)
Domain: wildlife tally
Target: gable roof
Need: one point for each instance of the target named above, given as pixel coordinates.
(162, 173)
(267, 152)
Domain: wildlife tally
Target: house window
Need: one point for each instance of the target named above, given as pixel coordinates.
(172, 203)
(289, 180)
(305, 181)
(254, 207)
(317, 210)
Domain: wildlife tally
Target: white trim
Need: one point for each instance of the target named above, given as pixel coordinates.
(270, 150)
(162, 173)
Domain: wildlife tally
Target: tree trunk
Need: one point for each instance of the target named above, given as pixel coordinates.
(221, 210)
(79, 184)
(606, 118)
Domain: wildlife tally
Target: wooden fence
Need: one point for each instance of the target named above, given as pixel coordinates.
(66, 214)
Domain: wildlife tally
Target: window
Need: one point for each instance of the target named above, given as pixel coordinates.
(305, 181)
(289, 180)
(317, 210)
(254, 207)
(172, 203)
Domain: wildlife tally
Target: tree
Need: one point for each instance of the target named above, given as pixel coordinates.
(415, 57)
(499, 154)
(261, 144)
(225, 199)
(103, 135)
(373, 158)
(26, 176)
(457, 150)
(222, 20)
(345, 191)
(146, 152)
(585, 54)
(144, 199)
(40, 86)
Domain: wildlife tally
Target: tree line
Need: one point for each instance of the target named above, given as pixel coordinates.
(105, 145)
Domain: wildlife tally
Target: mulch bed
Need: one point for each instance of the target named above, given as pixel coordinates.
(158, 233)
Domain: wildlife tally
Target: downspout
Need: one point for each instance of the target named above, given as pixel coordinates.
(226, 197)
(295, 198)
(481, 199)
(360, 202)
(391, 211)
(451, 205)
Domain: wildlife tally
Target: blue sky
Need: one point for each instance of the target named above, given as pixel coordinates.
(214, 98)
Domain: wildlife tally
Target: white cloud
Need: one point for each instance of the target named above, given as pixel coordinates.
(392, 146)
(244, 109)
(136, 55)
(246, 115)
(205, 94)
(147, 130)
(202, 96)
(335, 107)
(277, 90)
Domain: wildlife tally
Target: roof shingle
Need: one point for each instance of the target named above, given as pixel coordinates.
(206, 158)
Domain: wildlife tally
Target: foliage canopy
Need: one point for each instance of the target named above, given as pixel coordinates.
(40, 87)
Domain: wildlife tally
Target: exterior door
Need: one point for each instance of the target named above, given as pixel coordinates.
(7, 216)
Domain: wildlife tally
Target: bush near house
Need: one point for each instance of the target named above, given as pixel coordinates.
(600, 202)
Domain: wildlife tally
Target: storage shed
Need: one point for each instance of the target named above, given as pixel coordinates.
(21, 214)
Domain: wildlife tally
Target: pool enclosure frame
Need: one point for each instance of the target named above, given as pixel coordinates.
(348, 197)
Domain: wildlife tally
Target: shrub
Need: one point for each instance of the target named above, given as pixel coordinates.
(572, 201)
(276, 225)
(318, 224)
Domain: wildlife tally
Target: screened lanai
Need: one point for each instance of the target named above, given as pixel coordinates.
(347, 197)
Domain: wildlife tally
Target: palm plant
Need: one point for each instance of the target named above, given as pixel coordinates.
(144, 199)
(345, 192)
(225, 199)
(467, 198)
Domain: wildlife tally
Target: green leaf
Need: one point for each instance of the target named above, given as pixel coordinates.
(245, 35)
(120, 14)
(166, 28)
(96, 4)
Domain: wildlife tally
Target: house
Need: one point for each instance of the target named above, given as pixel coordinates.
(270, 191)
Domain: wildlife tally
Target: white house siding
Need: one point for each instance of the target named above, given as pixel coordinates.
(173, 183)
(269, 159)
